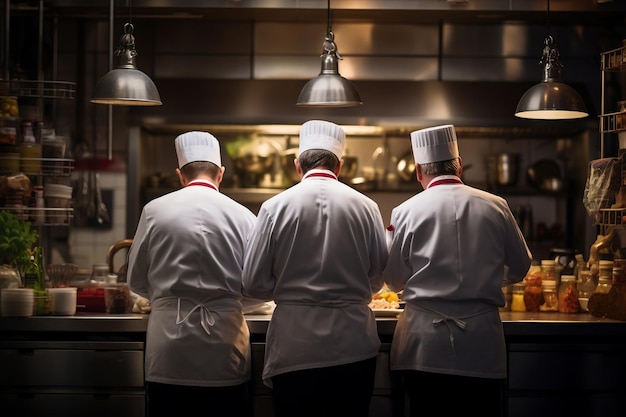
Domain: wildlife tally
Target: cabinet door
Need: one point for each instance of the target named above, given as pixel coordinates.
(566, 379)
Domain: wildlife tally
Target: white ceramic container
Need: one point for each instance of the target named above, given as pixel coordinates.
(62, 301)
(17, 302)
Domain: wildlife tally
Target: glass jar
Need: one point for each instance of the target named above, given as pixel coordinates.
(548, 269)
(598, 301)
(568, 295)
(517, 297)
(605, 267)
(99, 274)
(585, 286)
(550, 296)
(533, 293)
(616, 300)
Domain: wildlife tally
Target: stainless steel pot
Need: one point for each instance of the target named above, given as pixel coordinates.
(503, 168)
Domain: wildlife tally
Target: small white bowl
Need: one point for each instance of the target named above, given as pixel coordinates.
(62, 301)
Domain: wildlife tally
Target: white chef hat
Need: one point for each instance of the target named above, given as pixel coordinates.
(434, 144)
(320, 134)
(197, 146)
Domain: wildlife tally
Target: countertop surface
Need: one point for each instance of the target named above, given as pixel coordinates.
(515, 324)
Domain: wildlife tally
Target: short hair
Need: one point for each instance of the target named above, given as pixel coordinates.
(318, 158)
(449, 167)
(194, 169)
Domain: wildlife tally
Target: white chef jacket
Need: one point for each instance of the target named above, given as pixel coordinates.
(186, 258)
(318, 250)
(452, 248)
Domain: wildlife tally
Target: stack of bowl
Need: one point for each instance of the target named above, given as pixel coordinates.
(17, 302)
(58, 198)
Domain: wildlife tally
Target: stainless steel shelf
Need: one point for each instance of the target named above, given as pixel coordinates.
(40, 89)
(49, 166)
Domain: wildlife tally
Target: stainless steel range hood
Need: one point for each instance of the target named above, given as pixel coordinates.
(485, 108)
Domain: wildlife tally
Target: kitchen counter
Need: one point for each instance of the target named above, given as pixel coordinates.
(558, 363)
(515, 324)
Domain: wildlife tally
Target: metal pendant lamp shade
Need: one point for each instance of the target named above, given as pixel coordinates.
(329, 88)
(551, 99)
(126, 85)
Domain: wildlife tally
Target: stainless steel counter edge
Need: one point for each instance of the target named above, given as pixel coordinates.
(515, 324)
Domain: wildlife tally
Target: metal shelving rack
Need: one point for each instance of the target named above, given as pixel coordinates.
(611, 123)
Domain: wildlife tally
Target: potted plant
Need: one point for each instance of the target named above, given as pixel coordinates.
(17, 239)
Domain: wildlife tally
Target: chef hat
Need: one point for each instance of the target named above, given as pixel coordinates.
(197, 146)
(320, 134)
(434, 144)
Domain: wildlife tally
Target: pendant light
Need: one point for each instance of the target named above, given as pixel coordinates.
(551, 99)
(329, 89)
(126, 85)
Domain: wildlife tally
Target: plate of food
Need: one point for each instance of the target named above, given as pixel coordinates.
(386, 303)
(386, 312)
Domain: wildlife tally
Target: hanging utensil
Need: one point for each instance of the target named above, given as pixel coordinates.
(102, 213)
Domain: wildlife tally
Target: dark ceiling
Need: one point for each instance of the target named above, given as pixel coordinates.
(400, 11)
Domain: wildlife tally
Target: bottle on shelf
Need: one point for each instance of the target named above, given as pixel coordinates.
(30, 151)
(34, 278)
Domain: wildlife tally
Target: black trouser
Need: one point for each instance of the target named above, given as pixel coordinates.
(442, 395)
(341, 391)
(165, 400)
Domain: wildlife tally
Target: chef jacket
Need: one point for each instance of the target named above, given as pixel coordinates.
(452, 248)
(318, 250)
(186, 258)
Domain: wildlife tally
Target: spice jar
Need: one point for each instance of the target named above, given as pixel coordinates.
(550, 296)
(548, 269)
(585, 286)
(598, 301)
(533, 293)
(517, 297)
(616, 300)
(568, 295)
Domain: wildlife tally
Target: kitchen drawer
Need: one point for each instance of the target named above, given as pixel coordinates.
(576, 366)
(566, 405)
(72, 364)
(72, 404)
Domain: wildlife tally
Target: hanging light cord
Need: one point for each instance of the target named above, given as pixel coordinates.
(548, 20)
(330, 47)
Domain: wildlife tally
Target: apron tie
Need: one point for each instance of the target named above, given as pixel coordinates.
(448, 320)
(206, 318)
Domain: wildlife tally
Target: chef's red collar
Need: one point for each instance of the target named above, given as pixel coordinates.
(444, 179)
(324, 173)
(203, 183)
